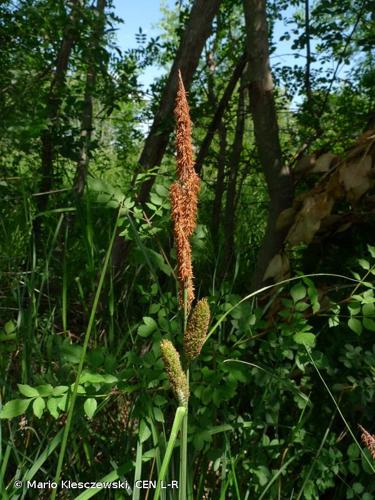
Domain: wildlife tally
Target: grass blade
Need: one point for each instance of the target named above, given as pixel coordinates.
(339, 411)
(138, 470)
(112, 476)
(43, 457)
(273, 479)
(82, 360)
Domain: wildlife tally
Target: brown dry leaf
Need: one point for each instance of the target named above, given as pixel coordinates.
(324, 163)
(366, 137)
(349, 178)
(333, 186)
(277, 268)
(305, 163)
(355, 176)
(362, 145)
(285, 218)
(335, 223)
(315, 208)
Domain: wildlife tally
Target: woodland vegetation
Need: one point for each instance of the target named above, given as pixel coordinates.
(241, 282)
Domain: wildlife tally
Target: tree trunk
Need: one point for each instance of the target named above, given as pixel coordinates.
(196, 32)
(308, 52)
(278, 177)
(187, 58)
(219, 113)
(86, 121)
(219, 185)
(53, 105)
(229, 218)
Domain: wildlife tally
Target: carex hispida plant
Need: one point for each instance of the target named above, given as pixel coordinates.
(184, 203)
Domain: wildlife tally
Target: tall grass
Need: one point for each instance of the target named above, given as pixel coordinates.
(73, 397)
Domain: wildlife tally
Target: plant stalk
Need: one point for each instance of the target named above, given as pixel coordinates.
(178, 418)
(183, 456)
(183, 447)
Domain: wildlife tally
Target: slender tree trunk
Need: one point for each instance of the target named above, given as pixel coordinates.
(219, 113)
(308, 51)
(197, 30)
(86, 121)
(245, 172)
(278, 177)
(219, 185)
(196, 33)
(53, 105)
(229, 217)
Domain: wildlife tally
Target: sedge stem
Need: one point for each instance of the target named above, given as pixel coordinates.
(183, 448)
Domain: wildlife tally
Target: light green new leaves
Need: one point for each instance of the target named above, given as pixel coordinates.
(38, 407)
(305, 338)
(298, 292)
(148, 327)
(90, 407)
(355, 325)
(28, 391)
(14, 408)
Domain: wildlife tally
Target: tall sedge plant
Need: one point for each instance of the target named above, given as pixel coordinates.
(184, 203)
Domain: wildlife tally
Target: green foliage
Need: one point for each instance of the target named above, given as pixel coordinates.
(56, 399)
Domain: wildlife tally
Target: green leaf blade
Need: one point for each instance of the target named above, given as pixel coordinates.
(28, 391)
(305, 338)
(38, 406)
(14, 408)
(90, 407)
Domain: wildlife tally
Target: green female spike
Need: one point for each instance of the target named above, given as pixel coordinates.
(176, 375)
(196, 330)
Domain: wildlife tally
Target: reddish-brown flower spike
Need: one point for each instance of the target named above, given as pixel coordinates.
(185, 164)
(368, 440)
(184, 196)
(192, 187)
